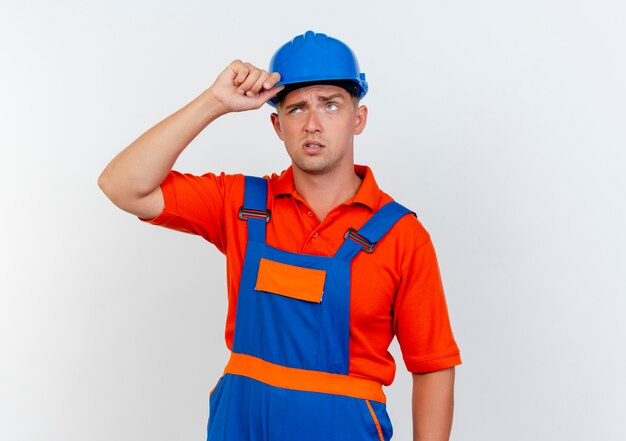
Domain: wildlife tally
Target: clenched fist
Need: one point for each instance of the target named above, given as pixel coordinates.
(242, 86)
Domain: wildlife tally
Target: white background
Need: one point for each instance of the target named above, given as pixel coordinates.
(501, 123)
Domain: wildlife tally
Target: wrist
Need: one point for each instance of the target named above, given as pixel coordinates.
(212, 107)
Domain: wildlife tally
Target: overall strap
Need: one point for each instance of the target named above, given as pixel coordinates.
(254, 209)
(375, 228)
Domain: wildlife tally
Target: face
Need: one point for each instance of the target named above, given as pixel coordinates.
(317, 124)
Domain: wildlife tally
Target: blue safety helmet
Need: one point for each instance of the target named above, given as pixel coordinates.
(314, 58)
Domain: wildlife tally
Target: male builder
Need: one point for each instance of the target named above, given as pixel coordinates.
(324, 269)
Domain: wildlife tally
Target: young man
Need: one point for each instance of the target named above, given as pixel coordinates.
(324, 269)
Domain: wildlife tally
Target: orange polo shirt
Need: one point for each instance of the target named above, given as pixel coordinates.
(396, 290)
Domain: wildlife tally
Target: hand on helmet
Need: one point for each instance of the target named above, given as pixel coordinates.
(242, 86)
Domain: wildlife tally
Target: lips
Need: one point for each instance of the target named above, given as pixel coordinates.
(312, 146)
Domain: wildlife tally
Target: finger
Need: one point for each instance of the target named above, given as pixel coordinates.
(251, 79)
(235, 66)
(272, 80)
(260, 82)
(241, 71)
(267, 95)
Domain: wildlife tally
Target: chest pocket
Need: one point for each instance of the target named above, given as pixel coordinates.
(291, 281)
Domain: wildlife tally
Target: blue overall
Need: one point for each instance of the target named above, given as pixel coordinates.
(300, 334)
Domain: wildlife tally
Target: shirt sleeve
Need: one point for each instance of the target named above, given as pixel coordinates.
(421, 320)
(196, 204)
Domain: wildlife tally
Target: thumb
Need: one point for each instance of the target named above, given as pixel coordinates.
(268, 94)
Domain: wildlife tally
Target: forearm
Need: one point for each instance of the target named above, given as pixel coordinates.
(139, 169)
(132, 179)
(433, 405)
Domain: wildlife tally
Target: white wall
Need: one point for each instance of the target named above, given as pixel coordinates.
(501, 123)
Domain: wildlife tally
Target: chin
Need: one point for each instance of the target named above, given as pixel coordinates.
(313, 167)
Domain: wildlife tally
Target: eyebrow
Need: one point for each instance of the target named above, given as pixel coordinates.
(331, 97)
(321, 98)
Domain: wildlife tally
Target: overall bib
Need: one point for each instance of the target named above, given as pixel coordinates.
(287, 378)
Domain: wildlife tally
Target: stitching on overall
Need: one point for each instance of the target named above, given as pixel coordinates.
(375, 418)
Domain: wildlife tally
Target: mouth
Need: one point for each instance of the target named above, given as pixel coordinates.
(312, 147)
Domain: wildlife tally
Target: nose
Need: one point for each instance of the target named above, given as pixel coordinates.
(313, 122)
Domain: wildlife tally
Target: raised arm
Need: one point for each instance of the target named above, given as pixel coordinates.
(433, 405)
(132, 179)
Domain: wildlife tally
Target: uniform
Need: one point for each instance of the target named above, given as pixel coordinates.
(313, 305)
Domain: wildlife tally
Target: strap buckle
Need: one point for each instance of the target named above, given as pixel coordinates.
(366, 245)
(248, 213)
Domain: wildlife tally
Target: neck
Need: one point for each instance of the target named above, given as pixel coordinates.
(325, 191)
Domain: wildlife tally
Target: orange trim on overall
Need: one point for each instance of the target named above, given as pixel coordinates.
(375, 418)
(291, 281)
(304, 380)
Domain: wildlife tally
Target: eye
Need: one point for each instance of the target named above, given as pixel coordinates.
(295, 110)
(332, 106)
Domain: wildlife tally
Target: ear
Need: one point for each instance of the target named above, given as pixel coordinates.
(360, 120)
(276, 124)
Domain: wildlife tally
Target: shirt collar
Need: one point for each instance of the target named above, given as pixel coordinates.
(368, 193)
